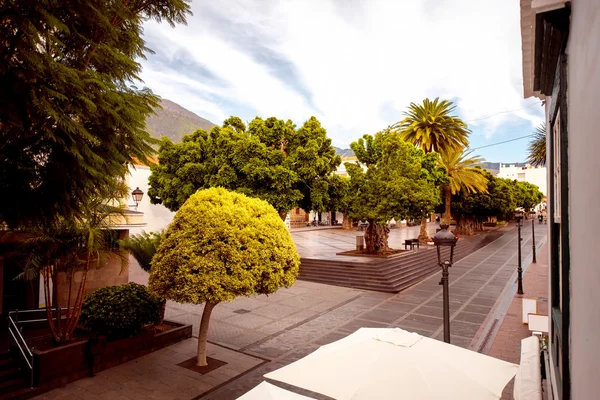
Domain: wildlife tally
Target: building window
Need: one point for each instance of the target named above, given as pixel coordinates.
(559, 247)
(556, 167)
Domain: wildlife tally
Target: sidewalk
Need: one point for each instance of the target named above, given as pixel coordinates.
(507, 343)
(257, 335)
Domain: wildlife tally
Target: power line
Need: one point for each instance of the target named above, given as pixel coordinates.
(506, 141)
(504, 112)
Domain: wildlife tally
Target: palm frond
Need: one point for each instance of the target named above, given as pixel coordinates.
(143, 247)
(431, 127)
(537, 147)
(463, 173)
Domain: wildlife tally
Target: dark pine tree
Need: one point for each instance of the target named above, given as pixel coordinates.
(71, 119)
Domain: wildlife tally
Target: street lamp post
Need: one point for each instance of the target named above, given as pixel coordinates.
(519, 218)
(444, 238)
(533, 238)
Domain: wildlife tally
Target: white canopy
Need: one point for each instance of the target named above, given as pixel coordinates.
(377, 363)
(266, 391)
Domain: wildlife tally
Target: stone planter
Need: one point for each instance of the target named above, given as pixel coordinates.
(60, 365)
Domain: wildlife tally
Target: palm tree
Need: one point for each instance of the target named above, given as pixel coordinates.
(463, 176)
(69, 248)
(537, 147)
(143, 247)
(431, 127)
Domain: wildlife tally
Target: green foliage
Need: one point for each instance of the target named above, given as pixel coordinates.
(143, 247)
(270, 159)
(70, 119)
(537, 147)
(431, 127)
(222, 245)
(464, 175)
(497, 201)
(400, 182)
(463, 172)
(339, 195)
(120, 311)
(65, 248)
(527, 195)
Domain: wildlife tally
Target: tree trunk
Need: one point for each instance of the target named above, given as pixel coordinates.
(423, 237)
(468, 226)
(447, 198)
(283, 214)
(347, 223)
(376, 238)
(203, 334)
(163, 309)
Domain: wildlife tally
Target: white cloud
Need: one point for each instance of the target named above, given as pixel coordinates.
(355, 58)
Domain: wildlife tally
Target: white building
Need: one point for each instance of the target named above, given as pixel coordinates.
(560, 53)
(534, 175)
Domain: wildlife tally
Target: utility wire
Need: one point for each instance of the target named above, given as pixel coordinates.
(506, 141)
(504, 112)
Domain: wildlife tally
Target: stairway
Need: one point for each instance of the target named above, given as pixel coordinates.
(386, 275)
(14, 380)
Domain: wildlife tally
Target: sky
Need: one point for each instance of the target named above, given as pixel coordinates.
(356, 65)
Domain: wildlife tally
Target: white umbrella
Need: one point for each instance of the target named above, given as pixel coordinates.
(395, 364)
(266, 391)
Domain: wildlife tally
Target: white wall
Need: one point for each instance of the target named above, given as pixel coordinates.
(583, 51)
(537, 176)
(156, 216)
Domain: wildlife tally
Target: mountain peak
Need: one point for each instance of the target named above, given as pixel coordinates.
(174, 121)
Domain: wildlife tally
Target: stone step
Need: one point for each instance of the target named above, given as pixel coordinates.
(370, 271)
(391, 275)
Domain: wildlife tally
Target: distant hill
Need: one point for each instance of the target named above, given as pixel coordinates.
(344, 152)
(175, 121)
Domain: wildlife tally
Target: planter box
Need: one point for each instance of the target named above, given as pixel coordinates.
(58, 366)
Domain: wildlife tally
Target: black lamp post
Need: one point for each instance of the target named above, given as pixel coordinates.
(137, 195)
(445, 239)
(519, 218)
(533, 236)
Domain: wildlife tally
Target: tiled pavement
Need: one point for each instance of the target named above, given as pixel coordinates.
(325, 243)
(507, 343)
(294, 322)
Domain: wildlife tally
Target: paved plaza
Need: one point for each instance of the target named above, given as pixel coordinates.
(257, 335)
(325, 243)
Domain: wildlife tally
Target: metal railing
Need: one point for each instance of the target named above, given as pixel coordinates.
(24, 349)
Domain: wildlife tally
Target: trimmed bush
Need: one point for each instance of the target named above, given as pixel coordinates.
(222, 245)
(120, 311)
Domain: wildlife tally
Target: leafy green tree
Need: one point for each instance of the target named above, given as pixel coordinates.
(463, 175)
(431, 127)
(70, 119)
(527, 195)
(270, 159)
(222, 245)
(537, 147)
(400, 182)
(472, 209)
(339, 197)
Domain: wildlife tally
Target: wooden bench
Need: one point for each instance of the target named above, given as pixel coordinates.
(411, 243)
